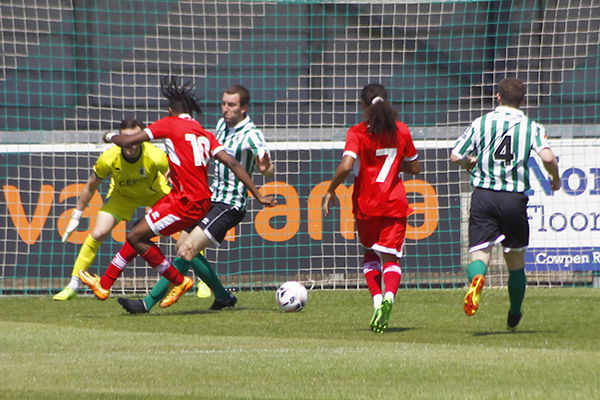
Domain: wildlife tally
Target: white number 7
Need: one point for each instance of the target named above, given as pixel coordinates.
(387, 164)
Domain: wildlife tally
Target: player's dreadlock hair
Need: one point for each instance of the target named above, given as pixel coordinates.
(381, 117)
(182, 99)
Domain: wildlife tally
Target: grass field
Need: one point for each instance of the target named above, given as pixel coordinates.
(91, 349)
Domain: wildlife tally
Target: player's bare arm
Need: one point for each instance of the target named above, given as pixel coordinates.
(243, 176)
(467, 162)
(551, 165)
(88, 191)
(126, 140)
(411, 167)
(264, 165)
(341, 173)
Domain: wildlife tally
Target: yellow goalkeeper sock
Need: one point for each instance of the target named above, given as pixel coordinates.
(87, 255)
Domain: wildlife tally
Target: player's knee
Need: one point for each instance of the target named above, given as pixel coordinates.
(101, 233)
(100, 236)
(132, 237)
(184, 251)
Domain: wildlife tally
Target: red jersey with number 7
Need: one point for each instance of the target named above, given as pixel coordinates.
(378, 187)
(189, 148)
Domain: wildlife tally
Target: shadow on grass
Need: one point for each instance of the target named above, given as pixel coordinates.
(208, 312)
(507, 332)
(389, 330)
(399, 329)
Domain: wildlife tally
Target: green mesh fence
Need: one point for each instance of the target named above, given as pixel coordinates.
(71, 70)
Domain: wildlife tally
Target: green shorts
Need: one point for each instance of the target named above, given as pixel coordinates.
(122, 208)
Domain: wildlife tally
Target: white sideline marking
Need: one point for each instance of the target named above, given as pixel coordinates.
(336, 350)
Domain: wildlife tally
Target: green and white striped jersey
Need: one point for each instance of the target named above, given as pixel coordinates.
(244, 142)
(502, 141)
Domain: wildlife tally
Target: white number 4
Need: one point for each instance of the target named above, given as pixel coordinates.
(200, 147)
(387, 164)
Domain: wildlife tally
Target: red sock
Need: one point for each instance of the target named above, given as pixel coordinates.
(157, 260)
(123, 257)
(392, 273)
(372, 272)
(373, 278)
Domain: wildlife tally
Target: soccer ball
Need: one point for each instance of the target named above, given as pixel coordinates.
(291, 296)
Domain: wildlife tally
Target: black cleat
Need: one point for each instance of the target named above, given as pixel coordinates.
(512, 321)
(133, 306)
(220, 304)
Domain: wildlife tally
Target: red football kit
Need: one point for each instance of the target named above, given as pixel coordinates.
(379, 200)
(189, 149)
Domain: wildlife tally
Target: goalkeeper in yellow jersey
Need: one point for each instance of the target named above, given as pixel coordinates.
(137, 179)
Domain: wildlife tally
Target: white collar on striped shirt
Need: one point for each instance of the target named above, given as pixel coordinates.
(242, 123)
(509, 110)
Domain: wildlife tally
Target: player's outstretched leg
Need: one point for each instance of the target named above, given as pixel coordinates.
(474, 295)
(160, 290)
(133, 306)
(176, 292)
(205, 272)
(87, 255)
(93, 282)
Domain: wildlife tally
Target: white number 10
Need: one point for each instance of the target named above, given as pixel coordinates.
(387, 164)
(200, 147)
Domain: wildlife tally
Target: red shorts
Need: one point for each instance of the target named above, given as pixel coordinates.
(174, 213)
(382, 234)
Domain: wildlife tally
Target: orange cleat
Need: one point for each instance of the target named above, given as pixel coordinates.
(176, 292)
(474, 294)
(93, 282)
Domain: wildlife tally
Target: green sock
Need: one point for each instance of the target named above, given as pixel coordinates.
(476, 267)
(517, 282)
(161, 289)
(206, 273)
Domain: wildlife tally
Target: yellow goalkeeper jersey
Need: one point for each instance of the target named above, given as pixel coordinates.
(143, 178)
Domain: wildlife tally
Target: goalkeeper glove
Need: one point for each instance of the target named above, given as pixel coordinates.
(108, 136)
(73, 223)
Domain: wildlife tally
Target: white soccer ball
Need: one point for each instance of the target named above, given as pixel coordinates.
(291, 296)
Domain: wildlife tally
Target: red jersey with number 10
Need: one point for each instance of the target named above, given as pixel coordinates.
(189, 147)
(378, 187)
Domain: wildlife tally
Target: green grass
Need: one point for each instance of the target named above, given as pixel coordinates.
(91, 349)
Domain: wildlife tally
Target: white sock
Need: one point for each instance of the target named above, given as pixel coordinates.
(74, 283)
(377, 300)
(389, 296)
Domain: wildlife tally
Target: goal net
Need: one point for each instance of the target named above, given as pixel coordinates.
(71, 70)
